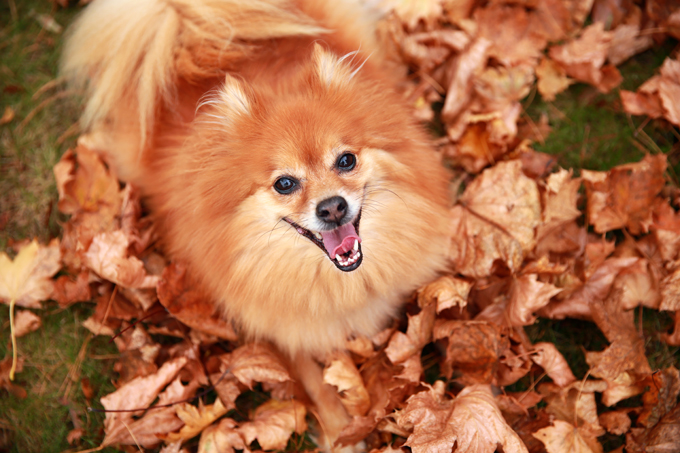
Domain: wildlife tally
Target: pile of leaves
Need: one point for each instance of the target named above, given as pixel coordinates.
(527, 241)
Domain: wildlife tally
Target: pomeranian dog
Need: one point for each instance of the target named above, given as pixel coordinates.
(280, 162)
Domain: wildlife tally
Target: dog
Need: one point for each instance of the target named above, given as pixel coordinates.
(279, 160)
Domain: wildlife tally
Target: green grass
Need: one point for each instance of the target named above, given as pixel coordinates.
(28, 148)
(590, 129)
(41, 421)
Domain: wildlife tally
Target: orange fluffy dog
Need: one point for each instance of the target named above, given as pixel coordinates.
(277, 158)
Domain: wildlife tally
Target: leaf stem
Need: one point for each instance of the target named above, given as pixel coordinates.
(14, 340)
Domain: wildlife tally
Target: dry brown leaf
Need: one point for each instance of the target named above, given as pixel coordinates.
(5, 382)
(446, 292)
(616, 422)
(418, 334)
(256, 362)
(195, 419)
(575, 404)
(7, 116)
(645, 101)
(28, 279)
(108, 257)
(552, 79)
(669, 90)
(661, 396)
(473, 349)
(86, 184)
(25, 322)
(273, 423)
(563, 437)
(472, 421)
(627, 42)
(193, 307)
(412, 12)
(662, 438)
(343, 374)
(583, 58)
(624, 196)
(596, 288)
(221, 438)
(556, 367)
(68, 291)
(520, 39)
(495, 220)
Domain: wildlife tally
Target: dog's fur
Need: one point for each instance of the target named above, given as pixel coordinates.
(205, 104)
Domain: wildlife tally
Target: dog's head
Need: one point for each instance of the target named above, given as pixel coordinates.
(311, 152)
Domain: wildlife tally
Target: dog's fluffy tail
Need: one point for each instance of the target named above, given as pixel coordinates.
(134, 51)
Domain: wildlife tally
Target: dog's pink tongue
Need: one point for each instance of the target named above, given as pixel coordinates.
(340, 240)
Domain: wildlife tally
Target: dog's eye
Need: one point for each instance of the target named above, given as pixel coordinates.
(285, 185)
(346, 162)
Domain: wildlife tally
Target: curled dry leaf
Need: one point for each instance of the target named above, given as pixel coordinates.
(616, 422)
(195, 419)
(108, 257)
(556, 367)
(68, 291)
(563, 437)
(256, 362)
(495, 220)
(221, 438)
(575, 404)
(25, 322)
(186, 302)
(343, 374)
(624, 196)
(273, 423)
(661, 396)
(28, 279)
(472, 421)
(446, 292)
(418, 334)
(473, 349)
(552, 79)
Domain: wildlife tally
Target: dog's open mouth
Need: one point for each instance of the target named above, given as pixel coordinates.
(342, 244)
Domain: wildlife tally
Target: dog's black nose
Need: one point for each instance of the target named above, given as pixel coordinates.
(332, 210)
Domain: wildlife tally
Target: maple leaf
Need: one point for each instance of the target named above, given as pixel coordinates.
(418, 334)
(28, 279)
(583, 58)
(66, 291)
(137, 394)
(472, 421)
(273, 423)
(256, 362)
(527, 295)
(473, 349)
(196, 419)
(221, 438)
(563, 437)
(186, 302)
(107, 256)
(575, 404)
(552, 79)
(343, 374)
(26, 322)
(624, 196)
(556, 367)
(626, 42)
(445, 292)
(495, 220)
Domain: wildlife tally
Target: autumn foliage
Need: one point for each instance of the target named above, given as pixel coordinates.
(527, 241)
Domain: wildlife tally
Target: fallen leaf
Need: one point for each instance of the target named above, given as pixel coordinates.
(273, 423)
(556, 367)
(563, 437)
(108, 257)
(495, 220)
(552, 79)
(186, 302)
(616, 422)
(195, 419)
(7, 116)
(28, 279)
(68, 291)
(256, 362)
(221, 438)
(343, 374)
(25, 322)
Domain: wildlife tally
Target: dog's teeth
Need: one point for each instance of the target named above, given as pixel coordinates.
(318, 236)
(356, 245)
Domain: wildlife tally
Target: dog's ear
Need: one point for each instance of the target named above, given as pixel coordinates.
(233, 95)
(229, 101)
(331, 70)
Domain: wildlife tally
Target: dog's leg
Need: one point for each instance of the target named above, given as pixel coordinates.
(331, 413)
